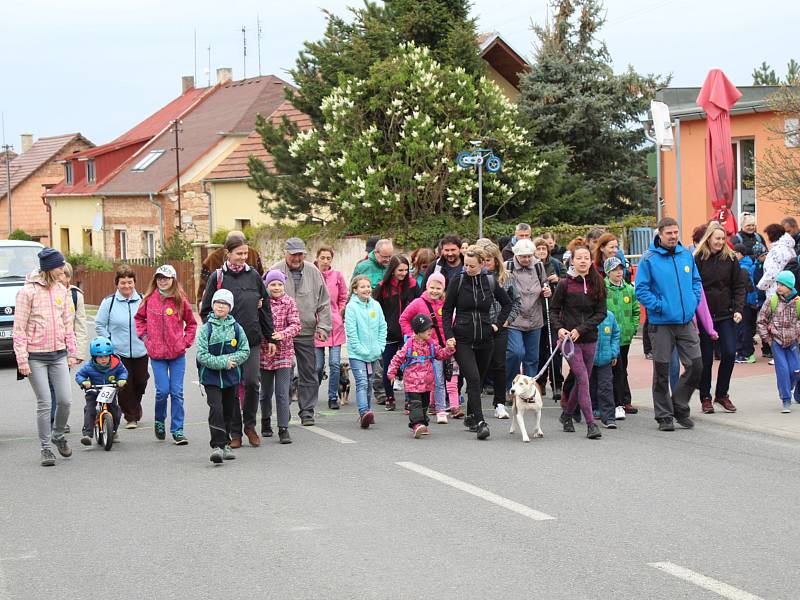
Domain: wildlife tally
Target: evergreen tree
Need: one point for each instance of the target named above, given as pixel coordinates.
(578, 105)
(765, 75)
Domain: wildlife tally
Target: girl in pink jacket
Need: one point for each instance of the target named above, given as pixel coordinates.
(430, 303)
(166, 324)
(416, 357)
(337, 291)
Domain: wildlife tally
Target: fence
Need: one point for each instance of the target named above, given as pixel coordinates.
(96, 285)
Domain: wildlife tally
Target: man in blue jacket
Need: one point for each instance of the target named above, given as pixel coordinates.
(668, 285)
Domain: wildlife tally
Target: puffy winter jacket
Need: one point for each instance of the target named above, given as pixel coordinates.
(723, 285)
(393, 302)
(221, 341)
(466, 312)
(748, 266)
(43, 319)
(366, 329)
(621, 301)
(286, 320)
(608, 336)
(418, 375)
(114, 320)
(417, 307)
(371, 268)
(97, 374)
(780, 253)
(573, 307)
(166, 332)
(668, 284)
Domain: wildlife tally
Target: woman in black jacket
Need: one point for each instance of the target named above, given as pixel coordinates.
(251, 310)
(725, 293)
(394, 293)
(466, 321)
(577, 309)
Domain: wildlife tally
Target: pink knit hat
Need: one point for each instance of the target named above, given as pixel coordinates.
(438, 277)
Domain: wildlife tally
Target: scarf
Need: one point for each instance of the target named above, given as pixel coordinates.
(235, 268)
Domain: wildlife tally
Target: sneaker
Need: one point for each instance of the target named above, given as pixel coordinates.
(48, 458)
(707, 406)
(62, 447)
(266, 427)
(787, 407)
(630, 409)
(610, 424)
(557, 393)
(66, 428)
(161, 432)
(131, 425)
(390, 405)
(566, 420)
(483, 430)
(367, 419)
(86, 440)
(252, 437)
(619, 413)
(596, 413)
(457, 412)
(740, 360)
(772, 362)
(441, 418)
(666, 425)
(283, 435)
(725, 402)
(418, 430)
(750, 359)
(685, 422)
(307, 421)
(216, 456)
(228, 454)
(649, 356)
(179, 438)
(333, 404)
(500, 412)
(469, 422)
(593, 431)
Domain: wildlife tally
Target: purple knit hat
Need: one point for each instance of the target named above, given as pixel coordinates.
(274, 275)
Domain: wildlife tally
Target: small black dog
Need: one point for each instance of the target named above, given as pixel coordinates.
(344, 383)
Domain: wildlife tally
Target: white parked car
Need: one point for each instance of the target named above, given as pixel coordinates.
(17, 260)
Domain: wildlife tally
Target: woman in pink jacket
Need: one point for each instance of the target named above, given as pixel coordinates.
(44, 343)
(166, 324)
(337, 290)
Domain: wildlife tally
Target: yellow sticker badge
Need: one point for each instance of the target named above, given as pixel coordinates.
(607, 329)
(169, 312)
(111, 378)
(372, 314)
(234, 341)
(626, 299)
(414, 353)
(439, 312)
(59, 301)
(686, 268)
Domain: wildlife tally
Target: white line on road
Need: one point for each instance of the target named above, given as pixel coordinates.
(329, 434)
(707, 583)
(516, 507)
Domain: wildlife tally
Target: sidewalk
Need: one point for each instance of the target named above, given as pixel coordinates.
(753, 391)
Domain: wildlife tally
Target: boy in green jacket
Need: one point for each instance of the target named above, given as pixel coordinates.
(222, 348)
(623, 304)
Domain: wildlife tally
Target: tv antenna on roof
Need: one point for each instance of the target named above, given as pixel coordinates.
(258, 38)
(244, 52)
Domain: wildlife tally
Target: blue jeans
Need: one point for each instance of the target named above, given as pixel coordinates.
(523, 348)
(168, 375)
(362, 376)
(787, 364)
(334, 366)
(439, 393)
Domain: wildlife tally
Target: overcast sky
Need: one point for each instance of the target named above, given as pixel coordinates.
(100, 67)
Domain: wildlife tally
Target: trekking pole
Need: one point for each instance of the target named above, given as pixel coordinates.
(550, 342)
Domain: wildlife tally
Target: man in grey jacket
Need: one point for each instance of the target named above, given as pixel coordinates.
(305, 284)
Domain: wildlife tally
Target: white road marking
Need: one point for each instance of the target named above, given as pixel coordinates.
(707, 583)
(516, 507)
(26, 556)
(329, 434)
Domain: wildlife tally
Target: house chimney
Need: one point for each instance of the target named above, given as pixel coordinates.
(187, 83)
(224, 75)
(25, 142)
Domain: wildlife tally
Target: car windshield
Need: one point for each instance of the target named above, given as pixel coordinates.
(18, 261)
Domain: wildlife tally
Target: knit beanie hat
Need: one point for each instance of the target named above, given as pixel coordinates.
(421, 322)
(436, 277)
(274, 275)
(786, 278)
(49, 259)
(223, 295)
(524, 248)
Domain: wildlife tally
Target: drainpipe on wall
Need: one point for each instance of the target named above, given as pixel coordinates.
(203, 184)
(49, 208)
(160, 218)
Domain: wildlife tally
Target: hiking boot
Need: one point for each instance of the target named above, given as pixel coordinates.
(367, 419)
(566, 421)
(48, 458)
(666, 425)
(266, 427)
(685, 422)
(593, 431)
(179, 438)
(482, 430)
(62, 447)
(390, 405)
(228, 454)
(216, 456)
(252, 437)
(161, 432)
(333, 404)
(236, 442)
(630, 409)
(707, 406)
(283, 435)
(307, 421)
(86, 440)
(725, 402)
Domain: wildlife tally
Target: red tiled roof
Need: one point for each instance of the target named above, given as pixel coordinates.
(232, 108)
(235, 164)
(38, 155)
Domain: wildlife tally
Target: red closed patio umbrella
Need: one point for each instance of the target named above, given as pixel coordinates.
(717, 97)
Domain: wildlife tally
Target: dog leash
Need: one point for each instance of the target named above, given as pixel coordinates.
(567, 348)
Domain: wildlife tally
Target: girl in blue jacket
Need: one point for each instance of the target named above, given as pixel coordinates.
(601, 381)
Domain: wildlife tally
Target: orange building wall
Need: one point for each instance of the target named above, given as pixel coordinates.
(695, 202)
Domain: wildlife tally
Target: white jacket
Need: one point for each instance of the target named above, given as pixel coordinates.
(781, 252)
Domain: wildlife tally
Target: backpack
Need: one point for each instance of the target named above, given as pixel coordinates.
(773, 304)
(414, 360)
(539, 271)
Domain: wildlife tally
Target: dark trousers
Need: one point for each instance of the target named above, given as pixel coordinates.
(602, 392)
(389, 351)
(308, 384)
(622, 390)
(474, 364)
(667, 338)
(222, 403)
(418, 407)
(497, 368)
(251, 379)
(553, 372)
(130, 397)
(90, 413)
(727, 348)
(745, 332)
(647, 344)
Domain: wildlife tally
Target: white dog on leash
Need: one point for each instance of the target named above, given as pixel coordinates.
(526, 395)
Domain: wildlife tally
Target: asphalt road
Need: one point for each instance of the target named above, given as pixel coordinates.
(714, 507)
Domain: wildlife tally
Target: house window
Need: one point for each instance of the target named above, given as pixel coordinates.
(744, 181)
(241, 224)
(68, 172)
(65, 240)
(791, 133)
(87, 241)
(121, 244)
(90, 175)
(147, 160)
(149, 243)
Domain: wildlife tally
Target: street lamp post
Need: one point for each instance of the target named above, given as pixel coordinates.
(478, 158)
